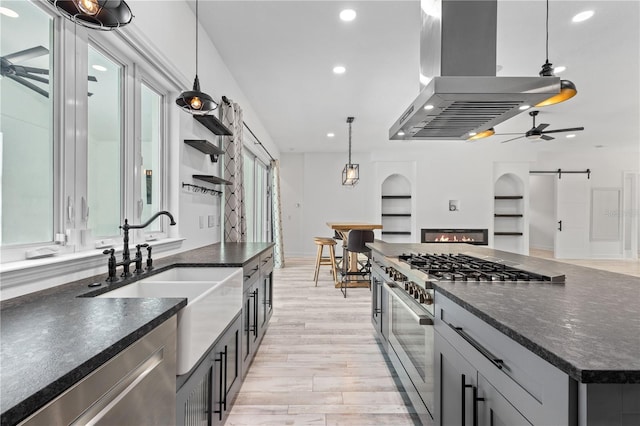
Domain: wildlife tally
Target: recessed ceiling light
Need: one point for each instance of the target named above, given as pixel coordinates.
(523, 107)
(348, 15)
(472, 133)
(582, 16)
(330, 135)
(428, 107)
(558, 70)
(99, 68)
(599, 146)
(569, 136)
(339, 69)
(8, 12)
(400, 133)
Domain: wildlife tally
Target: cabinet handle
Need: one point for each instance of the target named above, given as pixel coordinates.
(475, 405)
(491, 357)
(219, 412)
(255, 314)
(464, 402)
(224, 400)
(560, 225)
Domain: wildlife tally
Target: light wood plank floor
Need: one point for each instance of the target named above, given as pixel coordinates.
(628, 267)
(319, 363)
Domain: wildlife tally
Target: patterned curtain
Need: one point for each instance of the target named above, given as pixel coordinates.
(278, 252)
(235, 224)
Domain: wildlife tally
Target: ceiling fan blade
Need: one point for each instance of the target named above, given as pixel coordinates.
(33, 70)
(29, 85)
(512, 139)
(540, 127)
(507, 134)
(547, 138)
(25, 55)
(32, 77)
(572, 129)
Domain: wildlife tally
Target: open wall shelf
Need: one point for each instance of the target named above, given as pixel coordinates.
(396, 233)
(508, 233)
(206, 147)
(212, 179)
(213, 124)
(396, 197)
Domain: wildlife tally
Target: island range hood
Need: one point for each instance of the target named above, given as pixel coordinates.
(462, 95)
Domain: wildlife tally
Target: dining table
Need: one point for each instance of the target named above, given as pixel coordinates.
(343, 229)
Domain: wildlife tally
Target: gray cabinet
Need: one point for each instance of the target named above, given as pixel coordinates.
(380, 308)
(485, 378)
(206, 396)
(135, 387)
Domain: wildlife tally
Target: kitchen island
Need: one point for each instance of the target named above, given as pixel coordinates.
(586, 330)
(52, 339)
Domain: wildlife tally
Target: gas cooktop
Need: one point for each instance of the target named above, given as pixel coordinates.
(463, 267)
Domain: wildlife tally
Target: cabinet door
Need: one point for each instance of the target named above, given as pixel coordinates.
(494, 409)
(193, 406)
(248, 324)
(268, 295)
(262, 305)
(227, 372)
(456, 379)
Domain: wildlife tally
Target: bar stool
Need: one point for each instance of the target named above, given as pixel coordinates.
(356, 243)
(320, 260)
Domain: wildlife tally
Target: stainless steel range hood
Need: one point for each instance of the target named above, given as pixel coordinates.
(463, 96)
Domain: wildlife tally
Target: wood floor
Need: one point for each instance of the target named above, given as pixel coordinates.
(629, 267)
(319, 363)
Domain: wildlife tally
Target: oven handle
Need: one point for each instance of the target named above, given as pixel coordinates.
(417, 313)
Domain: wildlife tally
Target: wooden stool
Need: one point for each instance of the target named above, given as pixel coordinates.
(320, 260)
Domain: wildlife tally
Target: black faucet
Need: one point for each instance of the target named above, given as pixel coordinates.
(126, 255)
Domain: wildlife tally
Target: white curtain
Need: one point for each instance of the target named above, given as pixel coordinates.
(278, 251)
(235, 224)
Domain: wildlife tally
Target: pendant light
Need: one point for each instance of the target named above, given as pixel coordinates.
(195, 101)
(351, 172)
(567, 88)
(103, 15)
(481, 135)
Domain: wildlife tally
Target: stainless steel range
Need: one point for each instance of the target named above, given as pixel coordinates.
(403, 309)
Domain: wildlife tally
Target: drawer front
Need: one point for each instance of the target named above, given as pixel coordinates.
(538, 389)
(266, 255)
(250, 272)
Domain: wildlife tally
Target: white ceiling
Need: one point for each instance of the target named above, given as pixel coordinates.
(282, 54)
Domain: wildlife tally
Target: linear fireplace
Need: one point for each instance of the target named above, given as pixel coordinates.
(479, 237)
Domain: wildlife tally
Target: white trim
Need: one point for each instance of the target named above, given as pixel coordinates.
(26, 276)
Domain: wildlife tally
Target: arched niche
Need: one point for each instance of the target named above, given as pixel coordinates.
(396, 209)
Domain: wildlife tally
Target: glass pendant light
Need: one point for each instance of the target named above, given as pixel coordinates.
(351, 172)
(567, 88)
(104, 15)
(195, 101)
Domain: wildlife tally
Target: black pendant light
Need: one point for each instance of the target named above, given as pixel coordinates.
(194, 101)
(351, 172)
(103, 15)
(567, 88)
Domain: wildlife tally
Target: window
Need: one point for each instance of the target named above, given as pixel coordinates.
(27, 125)
(82, 146)
(257, 202)
(151, 125)
(104, 144)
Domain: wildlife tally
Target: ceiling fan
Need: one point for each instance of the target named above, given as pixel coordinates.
(23, 74)
(537, 132)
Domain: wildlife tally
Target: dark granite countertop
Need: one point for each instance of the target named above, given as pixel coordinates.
(51, 339)
(588, 327)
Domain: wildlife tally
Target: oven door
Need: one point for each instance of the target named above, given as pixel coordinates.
(411, 337)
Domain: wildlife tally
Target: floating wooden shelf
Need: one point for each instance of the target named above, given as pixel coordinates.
(396, 214)
(396, 233)
(213, 124)
(212, 179)
(507, 215)
(395, 197)
(508, 197)
(206, 147)
(508, 233)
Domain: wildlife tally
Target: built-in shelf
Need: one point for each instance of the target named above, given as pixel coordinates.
(206, 147)
(508, 215)
(213, 124)
(396, 233)
(508, 197)
(396, 214)
(395, 197)
(212, 179)
(508, 233)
